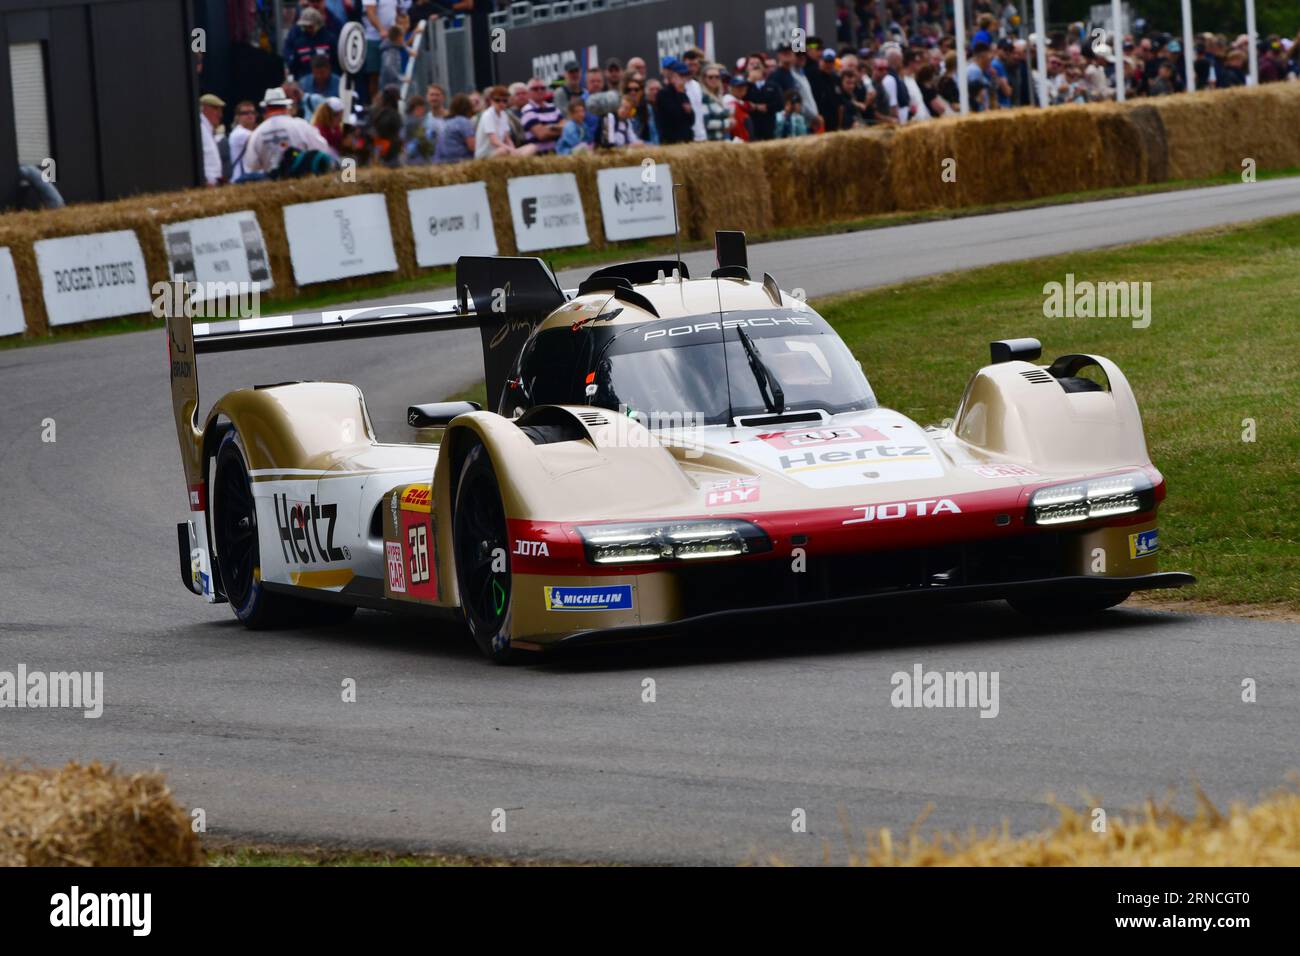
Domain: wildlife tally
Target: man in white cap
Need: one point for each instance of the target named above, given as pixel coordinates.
(210, 110)
(277, 132)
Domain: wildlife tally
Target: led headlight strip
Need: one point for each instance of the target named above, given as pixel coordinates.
(1127, 493)
(674, 541)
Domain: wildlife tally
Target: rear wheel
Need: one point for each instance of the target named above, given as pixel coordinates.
(1068, 605)
(482, 557)
(238, 557)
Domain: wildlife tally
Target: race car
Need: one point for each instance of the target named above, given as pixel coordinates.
(659, 451)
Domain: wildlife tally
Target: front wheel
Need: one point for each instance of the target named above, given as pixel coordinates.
(1068, 605)
(479, 541)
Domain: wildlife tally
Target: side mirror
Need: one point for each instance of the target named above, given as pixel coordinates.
(1015, 350)
(438, 414)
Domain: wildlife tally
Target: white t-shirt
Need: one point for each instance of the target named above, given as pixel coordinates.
(490, 121)
(695, 93)
(211, 158)
(238, 143)
(385, 10)
(274, 136)
(914, 94)
(891, 96)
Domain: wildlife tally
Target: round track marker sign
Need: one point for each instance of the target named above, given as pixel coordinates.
(352, 47)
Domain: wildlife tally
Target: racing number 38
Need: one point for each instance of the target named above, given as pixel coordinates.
(417, 539)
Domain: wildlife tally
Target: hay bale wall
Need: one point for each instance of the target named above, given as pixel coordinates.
(92, 816)
(1001, 156)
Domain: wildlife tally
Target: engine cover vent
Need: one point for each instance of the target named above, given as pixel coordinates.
(1038, 376)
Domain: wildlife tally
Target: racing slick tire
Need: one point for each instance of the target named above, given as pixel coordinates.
(1068, 605)
(238, 557)
(480, 543)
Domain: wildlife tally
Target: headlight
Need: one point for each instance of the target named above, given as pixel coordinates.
(676, 541)
(1106, 497)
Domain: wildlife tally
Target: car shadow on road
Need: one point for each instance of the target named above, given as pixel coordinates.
(760, 637)
(824, 635)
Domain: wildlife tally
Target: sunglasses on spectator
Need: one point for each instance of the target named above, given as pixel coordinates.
(536, 89)
(634, 89)
(500, 99)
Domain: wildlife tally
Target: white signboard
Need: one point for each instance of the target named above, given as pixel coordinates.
(451, 221)
(218, 249)
(547, 212)
(11, 304)
(339, 238)
(636, 201)
(92, 277)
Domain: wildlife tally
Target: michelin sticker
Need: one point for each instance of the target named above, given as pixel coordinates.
(616, 597)
(1143, 543)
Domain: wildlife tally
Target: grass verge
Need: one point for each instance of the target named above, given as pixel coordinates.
(312, 299)
(1220, 350)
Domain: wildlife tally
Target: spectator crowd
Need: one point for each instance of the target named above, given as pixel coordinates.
(890, 72)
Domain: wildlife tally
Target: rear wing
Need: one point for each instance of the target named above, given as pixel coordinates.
(503, 297)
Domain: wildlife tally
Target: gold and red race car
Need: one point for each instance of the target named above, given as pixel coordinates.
(660, 450)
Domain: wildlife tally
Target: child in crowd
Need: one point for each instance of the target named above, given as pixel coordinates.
(575, 138)
(790, 121)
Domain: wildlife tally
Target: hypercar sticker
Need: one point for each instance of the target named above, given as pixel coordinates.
(396, 567)
(1143, 543)
(732, 491)
(615, 597)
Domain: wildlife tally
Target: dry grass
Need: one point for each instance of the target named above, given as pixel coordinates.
(91, 816)
(1001, 156)
(1266, 834)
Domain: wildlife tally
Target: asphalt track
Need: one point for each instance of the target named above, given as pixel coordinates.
(746, 727)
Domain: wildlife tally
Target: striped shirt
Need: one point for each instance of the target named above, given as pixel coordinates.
(544, 115)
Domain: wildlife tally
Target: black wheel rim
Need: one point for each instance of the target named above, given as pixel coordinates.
(236, 528)
(480, 532)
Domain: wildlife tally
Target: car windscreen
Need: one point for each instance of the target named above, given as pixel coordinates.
(677, 370)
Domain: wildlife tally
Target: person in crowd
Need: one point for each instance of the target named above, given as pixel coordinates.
(377, 18)
(456, 140)
(386, 126)
(614, 76)
(494, 136)
(926, 84)
(245, 123)
(977, 80)
(693, 59)
(571, 88)
(674, 114)
(319, 84)
(1163, 84)
(854, 104)
(822, 80)
(790, 121)
(391, 52)
(308, 39)
(576, 137)
(328, 120)
(600, 102)
(642, 120)
(211, 108)
(543, 122)
(764, 103)
(635, 65)
(717, 118)
(617, 129)
(417, 148)
(278, 131)
(882, 113)
(897, 100)
(737, 101)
